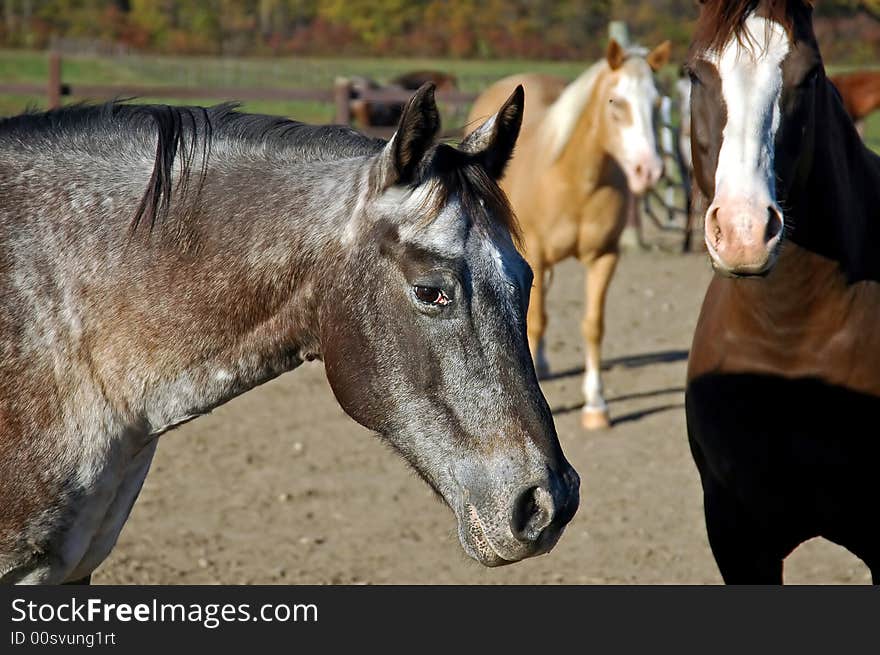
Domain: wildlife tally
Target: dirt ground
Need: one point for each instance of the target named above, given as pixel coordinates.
(281, 487)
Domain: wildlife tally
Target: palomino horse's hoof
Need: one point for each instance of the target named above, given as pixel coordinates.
(593, 418)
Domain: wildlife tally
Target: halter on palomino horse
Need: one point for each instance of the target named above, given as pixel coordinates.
(585, 150)
(260, 243)
(783, 393)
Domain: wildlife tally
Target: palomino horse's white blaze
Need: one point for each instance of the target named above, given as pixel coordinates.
(634, 96)
(637, 96)
(751, 85)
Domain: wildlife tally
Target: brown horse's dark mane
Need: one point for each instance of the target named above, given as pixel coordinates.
(721, 20)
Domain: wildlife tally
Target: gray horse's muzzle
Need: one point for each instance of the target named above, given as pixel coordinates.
(499, 529)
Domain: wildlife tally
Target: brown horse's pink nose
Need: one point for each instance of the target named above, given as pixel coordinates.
(742, 236)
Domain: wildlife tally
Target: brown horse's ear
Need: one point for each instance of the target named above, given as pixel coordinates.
(494, 140)
(415, 134)
(615, 54)
(659, 56)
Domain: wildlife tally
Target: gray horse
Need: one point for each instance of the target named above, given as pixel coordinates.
(157, 261)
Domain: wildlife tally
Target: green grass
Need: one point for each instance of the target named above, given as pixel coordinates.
(872, 131)
(290, 72)
(293, 73)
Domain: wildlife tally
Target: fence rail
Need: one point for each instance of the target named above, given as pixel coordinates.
(341, 95)
(668, 206)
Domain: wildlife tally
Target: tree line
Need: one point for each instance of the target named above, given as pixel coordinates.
(550, 29)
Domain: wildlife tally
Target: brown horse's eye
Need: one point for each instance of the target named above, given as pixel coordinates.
(431, 295)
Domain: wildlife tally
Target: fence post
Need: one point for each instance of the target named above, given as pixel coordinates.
(619, 31)
(54, 87)
(342, 98)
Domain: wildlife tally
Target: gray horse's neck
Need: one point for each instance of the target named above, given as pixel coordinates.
(156, 327)
(266, 246)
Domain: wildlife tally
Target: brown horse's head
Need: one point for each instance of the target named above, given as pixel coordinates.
(423, 334)
(755, 68)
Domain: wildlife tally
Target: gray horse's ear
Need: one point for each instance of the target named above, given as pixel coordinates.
(415, 134)
(494, 140)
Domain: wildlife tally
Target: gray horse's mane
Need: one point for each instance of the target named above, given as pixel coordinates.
(182, 137)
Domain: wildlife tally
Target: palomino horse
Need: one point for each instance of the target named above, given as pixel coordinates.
(260, 243)
(585, 150)
(783, 392)
(860, 92)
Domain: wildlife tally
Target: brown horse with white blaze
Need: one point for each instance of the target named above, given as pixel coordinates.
(586, 150)
(783, 392)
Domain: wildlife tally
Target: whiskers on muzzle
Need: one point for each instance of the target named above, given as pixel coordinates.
(529, 522)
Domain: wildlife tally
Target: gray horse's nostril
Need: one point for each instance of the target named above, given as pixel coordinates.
(532, 512)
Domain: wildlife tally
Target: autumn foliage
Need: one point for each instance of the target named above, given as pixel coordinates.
(554, 29)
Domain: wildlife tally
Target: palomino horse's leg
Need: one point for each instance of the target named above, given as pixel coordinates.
(536, 320)
(599, 272)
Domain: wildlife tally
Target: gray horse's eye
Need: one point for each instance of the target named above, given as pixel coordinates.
(431, 295)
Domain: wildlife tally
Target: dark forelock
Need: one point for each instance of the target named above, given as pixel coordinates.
(722, 20)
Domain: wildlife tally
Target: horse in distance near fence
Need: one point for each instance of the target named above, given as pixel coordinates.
(586, 150)
(386, 113)
(158, 261)
(783, 391)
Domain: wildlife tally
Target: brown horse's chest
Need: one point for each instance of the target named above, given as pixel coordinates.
(803, 321)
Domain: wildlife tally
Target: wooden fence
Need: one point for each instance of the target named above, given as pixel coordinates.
(667, 206)
(341, 95)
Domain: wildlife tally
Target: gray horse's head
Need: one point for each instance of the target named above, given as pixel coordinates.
(424, 336)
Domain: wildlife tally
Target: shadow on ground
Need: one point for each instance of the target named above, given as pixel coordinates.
(627, 361)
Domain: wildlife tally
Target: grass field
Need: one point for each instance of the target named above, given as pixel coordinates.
(307, 73)
(300, 72)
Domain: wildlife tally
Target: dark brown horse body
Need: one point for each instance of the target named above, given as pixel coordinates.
(783, 394)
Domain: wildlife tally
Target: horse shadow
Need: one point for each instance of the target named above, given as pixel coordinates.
(629, 361)
(626, 361)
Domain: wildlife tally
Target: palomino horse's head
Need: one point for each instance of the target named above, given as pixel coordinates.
(626, 121)
(755, 66)
(425, 340)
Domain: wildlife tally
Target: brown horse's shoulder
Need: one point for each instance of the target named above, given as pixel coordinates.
(803, 320)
